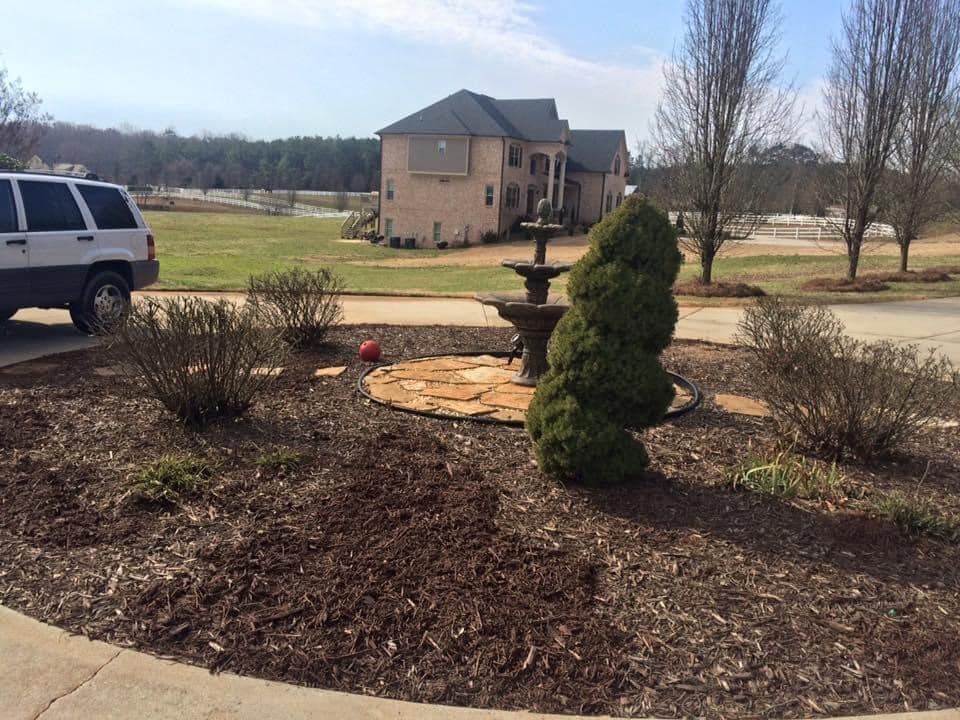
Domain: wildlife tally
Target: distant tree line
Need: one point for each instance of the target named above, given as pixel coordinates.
(144, 157)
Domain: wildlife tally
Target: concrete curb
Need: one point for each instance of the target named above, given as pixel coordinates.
(58, 676)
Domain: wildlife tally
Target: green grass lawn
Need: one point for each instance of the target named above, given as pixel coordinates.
(218, 251)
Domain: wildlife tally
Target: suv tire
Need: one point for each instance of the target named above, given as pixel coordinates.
(105, 299)
(7, 313)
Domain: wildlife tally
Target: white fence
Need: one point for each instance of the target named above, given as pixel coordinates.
(800, 227)
(276, 204)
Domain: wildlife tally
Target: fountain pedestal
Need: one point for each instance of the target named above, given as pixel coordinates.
(533, 314)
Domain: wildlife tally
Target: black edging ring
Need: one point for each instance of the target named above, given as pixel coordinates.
(673, 414)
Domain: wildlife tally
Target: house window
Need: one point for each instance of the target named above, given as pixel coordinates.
(616, 165)
(516, 156)
(609, 201)
(388, 228)
(619, 199)
(533, 166)
(436, 232)
(513, 195)
(489, 196)
(546, 166)
(442, 147)
(390, 189)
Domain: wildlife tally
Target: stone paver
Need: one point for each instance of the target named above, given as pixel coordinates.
(470, 386)
(740, 405)
(330, 371)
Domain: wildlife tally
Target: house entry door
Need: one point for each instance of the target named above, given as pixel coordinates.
(531, 196)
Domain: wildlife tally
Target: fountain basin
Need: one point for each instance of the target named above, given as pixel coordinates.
(535, 323)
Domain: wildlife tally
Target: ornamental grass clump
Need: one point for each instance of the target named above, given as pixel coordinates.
(204, 360)
(302, 304)
(605, 374)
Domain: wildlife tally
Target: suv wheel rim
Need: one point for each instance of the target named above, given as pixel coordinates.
(108, 303)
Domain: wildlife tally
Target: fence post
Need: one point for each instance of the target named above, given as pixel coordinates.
(818, 233)
(774, 231)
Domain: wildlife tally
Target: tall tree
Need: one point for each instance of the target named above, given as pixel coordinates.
(21, 122)
(864, 102)
(931, 129)
(722, 101)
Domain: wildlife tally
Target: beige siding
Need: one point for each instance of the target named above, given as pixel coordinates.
(424, 155)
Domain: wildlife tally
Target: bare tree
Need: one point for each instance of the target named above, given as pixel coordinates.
(21, 122)
(722, 102)
(930, 130)
(863, 108)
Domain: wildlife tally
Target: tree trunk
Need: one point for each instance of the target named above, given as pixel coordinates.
(853, 260)
(904, 254)
(706, 263)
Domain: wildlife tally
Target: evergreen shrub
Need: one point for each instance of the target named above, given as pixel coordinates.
(605, 374)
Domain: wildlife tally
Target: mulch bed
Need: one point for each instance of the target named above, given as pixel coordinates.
(843, 285)
(427, 560)
(717, 288)
(929, 275)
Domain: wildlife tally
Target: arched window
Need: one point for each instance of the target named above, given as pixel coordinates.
(616, 165)
(619, 199)
(609, 201)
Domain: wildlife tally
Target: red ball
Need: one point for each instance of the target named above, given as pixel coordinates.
(369, 351)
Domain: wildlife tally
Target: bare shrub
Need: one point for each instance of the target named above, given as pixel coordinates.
(834, 393)
(301, 304)
(203, 360)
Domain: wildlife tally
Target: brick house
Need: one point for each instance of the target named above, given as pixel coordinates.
(470, 163)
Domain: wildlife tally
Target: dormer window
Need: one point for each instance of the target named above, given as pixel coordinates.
(516, 156)
(442, 147)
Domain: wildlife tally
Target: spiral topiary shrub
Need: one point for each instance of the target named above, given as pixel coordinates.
(605, 374)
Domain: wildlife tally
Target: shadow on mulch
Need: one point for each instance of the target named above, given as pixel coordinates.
(851, 541)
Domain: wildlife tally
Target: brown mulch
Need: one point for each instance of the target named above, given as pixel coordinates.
(428, 560)
(717, 288)
(928, 275)
(842, 285)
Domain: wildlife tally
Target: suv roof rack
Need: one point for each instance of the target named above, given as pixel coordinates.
(75, 175)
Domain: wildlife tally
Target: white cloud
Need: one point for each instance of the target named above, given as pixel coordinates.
(502, 34)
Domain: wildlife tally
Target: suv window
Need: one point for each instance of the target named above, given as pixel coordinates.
(8, 209)
(110, 211)
(50, 206)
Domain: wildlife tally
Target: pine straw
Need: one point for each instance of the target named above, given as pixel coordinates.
(425, 560)
(928, 275)
(843, 285)
(696, 288)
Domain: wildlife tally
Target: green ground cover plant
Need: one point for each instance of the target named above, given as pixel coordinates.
(171, 476)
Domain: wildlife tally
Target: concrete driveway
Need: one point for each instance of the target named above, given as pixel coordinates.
(931, 324)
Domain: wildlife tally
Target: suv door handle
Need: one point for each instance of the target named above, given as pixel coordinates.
(21, 241)
(85, 238)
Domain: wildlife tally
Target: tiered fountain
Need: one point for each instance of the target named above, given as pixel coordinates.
(536, 313)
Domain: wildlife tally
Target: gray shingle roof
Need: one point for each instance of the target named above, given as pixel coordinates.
(469, 113)
(594, 150)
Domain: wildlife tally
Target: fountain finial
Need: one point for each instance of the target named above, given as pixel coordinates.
(544, 211)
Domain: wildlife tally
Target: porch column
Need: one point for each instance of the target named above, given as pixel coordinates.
(550, 162)
(563, 177)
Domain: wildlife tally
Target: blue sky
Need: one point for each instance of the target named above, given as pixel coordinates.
(275, 68)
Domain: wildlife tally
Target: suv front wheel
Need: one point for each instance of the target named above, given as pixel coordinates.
(104, 301)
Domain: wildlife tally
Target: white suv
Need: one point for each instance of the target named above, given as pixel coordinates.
(71, 242)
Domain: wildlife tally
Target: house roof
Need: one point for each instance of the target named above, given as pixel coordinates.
(470, 113)
(594, 150)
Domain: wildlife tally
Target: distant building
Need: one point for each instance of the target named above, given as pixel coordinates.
(470, 164)
(37, 163)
